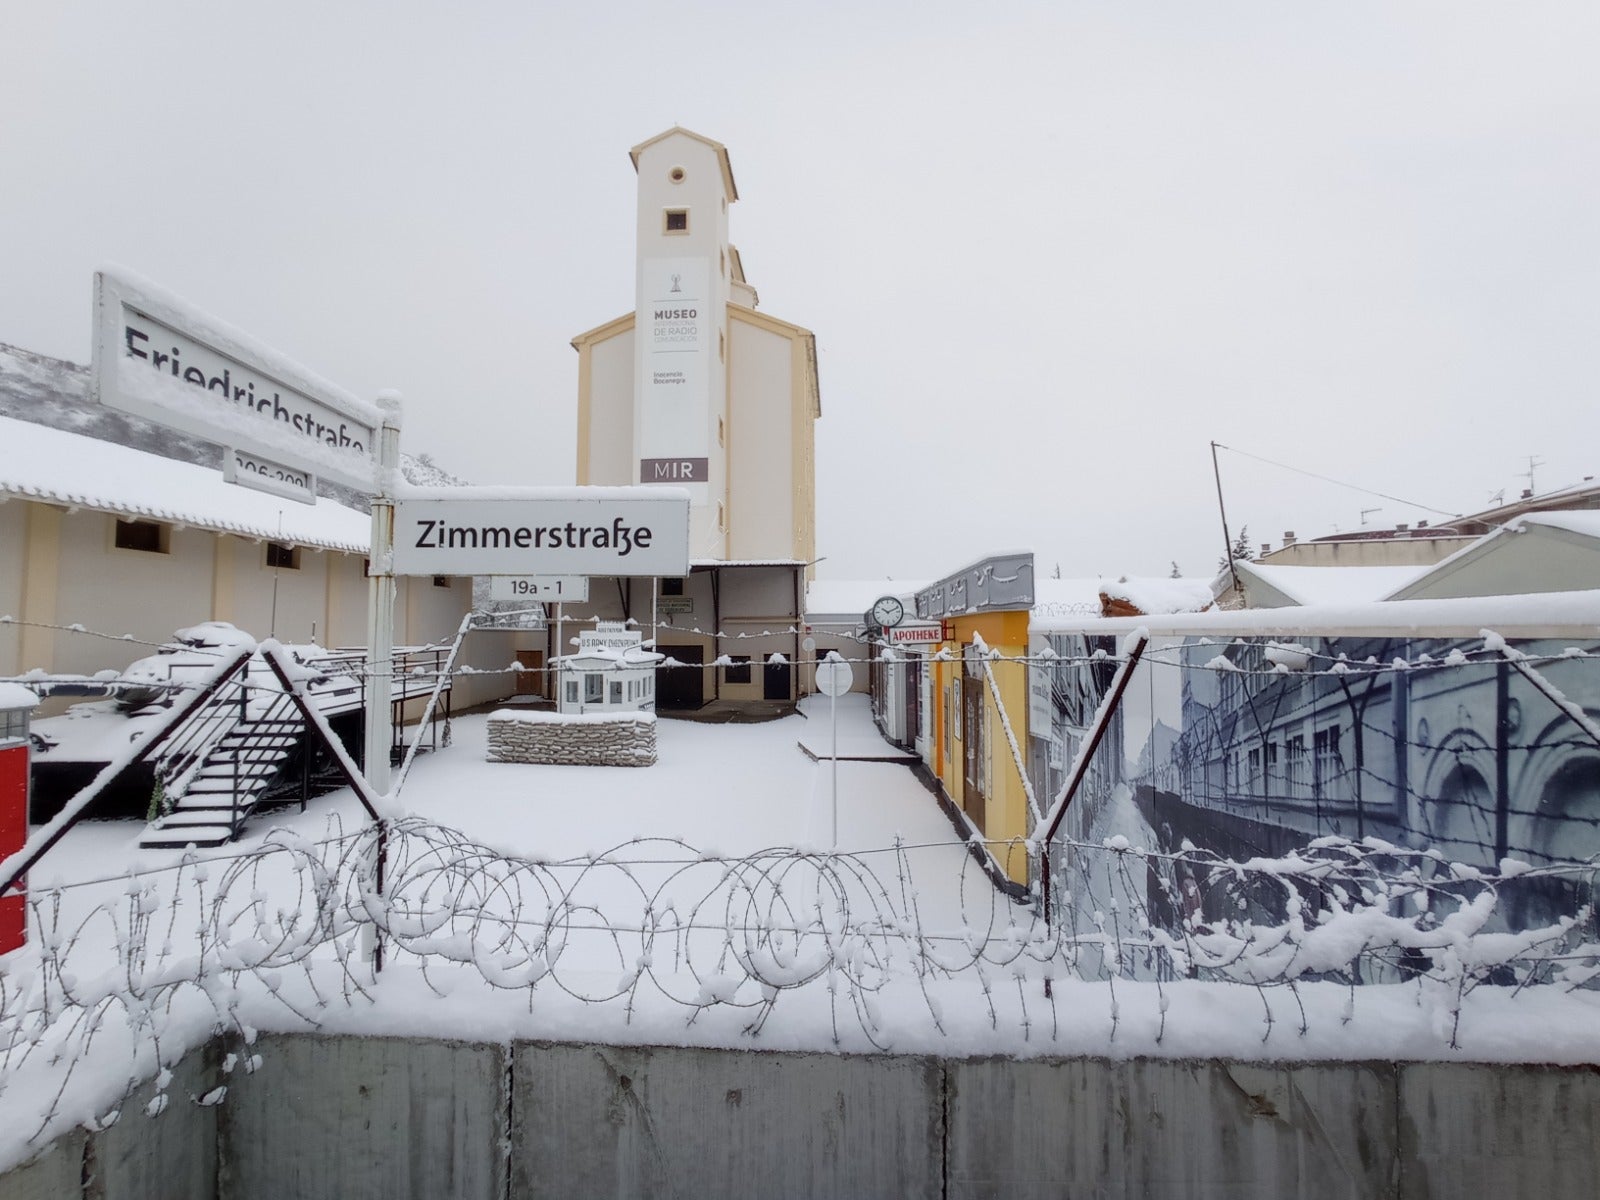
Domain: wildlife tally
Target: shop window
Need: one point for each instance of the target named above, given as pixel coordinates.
(593, 687)
(739, 672)
(677, 220)
(152, 537)
(616, 692)
(283, 557)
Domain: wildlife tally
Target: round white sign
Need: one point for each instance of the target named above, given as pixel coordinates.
(834, 675)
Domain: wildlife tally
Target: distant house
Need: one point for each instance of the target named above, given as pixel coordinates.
(1536, 552)
(1270, 585)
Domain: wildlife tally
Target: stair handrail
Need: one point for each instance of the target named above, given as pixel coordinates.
(16, 866)
(224, 705)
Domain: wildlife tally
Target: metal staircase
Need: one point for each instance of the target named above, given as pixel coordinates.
(221, 764)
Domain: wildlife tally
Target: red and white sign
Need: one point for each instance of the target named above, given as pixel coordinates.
(916, 633)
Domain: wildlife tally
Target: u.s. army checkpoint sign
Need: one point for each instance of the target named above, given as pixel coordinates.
(609, 531)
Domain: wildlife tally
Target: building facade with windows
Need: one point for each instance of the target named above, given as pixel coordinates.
(100, 539)
(696, 388)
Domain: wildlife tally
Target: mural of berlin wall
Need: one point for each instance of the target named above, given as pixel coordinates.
(1477, 749)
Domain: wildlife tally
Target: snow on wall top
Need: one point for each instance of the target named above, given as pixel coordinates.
(41, 463)
(1545, 614)
(1335, 585)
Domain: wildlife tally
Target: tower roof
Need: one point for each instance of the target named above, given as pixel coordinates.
(722, 154)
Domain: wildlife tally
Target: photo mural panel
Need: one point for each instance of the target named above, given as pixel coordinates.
(1250, 746)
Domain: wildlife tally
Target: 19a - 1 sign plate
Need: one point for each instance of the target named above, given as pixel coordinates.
(612, 531)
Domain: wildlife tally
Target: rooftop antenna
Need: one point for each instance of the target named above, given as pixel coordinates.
(1366, 512)
(1534, 462)
(1497, 498)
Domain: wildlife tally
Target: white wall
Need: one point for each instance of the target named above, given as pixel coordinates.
(13, 535)
(761, 484)
(611, 455)
(125, 591)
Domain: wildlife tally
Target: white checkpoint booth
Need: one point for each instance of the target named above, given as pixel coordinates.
(611, 672)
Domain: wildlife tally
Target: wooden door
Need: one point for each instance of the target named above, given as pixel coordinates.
(681, 687)
(531, 682)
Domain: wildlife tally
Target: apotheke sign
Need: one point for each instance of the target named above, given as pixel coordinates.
(915, 634)
(163, 359)
(612, 531)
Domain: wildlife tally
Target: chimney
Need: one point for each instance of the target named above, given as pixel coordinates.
(1422, 524)
(1527, 493)
(1401, 528)
(1266, 549)
(1288, 537)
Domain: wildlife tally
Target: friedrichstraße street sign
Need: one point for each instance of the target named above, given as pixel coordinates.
(610, 531)
(163, 359)
(541, 588)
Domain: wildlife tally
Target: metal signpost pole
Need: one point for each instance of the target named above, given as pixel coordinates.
(380, 602)
(833, 677)
(833, 714)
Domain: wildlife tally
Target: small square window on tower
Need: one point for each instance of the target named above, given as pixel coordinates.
(677, 220)
(283, 557)
(672, 587)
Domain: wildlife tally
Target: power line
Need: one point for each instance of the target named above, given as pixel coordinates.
(1339, 482)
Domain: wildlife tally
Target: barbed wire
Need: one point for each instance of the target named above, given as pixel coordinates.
(281, 929)
(351, 664)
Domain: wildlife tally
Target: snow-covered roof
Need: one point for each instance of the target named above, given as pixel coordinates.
(1333, 585)
(1584, 523)
(853, 597)
(40, 463)
(1159, 597)
(1581, 520)
(14, 696)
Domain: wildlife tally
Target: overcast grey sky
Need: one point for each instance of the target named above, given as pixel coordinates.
(1049, 251)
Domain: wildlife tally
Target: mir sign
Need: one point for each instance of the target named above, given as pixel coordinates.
(163, 359)
(613, 531)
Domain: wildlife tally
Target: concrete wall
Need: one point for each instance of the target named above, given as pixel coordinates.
(356, 1117)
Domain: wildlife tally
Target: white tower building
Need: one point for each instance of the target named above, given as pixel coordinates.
(696, 388)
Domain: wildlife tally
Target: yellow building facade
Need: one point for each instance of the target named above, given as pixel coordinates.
(979, 688)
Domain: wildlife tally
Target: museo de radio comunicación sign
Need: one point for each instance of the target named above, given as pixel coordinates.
(612, 531)
(163, 359)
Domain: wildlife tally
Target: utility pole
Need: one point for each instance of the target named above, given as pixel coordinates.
(1227, 539)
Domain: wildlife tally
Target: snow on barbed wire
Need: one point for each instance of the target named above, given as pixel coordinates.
(838, 941)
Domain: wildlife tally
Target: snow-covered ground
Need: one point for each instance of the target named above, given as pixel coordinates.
(668, 904)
